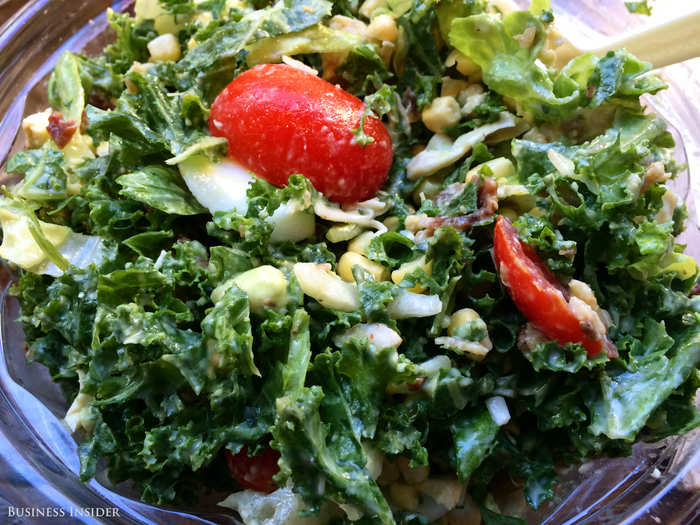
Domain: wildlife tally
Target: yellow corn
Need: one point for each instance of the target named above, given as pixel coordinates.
(350, 259)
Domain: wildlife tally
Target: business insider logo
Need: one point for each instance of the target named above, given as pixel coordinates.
(60, 512)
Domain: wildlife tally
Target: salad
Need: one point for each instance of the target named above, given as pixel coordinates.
(352, 262)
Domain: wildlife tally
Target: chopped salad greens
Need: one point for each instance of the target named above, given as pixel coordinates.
(380, 361)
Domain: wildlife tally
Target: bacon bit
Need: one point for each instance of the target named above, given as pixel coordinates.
(410, 104)
(695, 290)
(487, 204)
(610, 348)
(84, 122)
(529, 336)
(590, 91)
(60, 130)
(100, 100)
(417, 384)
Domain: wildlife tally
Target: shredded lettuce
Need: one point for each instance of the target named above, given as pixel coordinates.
(42, 247)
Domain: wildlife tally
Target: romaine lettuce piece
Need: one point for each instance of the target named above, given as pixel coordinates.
(44, 176)
(66, 92)
(628, 397)
(507, 49)
(316, 39)
(41, 247)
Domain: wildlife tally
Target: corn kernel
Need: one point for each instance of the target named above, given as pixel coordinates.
(350, 259)
(265, 286)
(447, 492)
(405, 269)
(412, 475)
(360, 243)
(451, 87)
(383, 28)
(442, 114)
(164, 48)
(404, 496)
(35, 128)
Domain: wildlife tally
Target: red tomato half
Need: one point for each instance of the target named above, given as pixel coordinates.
(535, 290)
(254, 473)
(280, 120)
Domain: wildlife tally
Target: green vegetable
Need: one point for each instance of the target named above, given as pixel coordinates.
(160, 188)
(628, 397)
(509, 67)
(44, 176)
(270, 22)
(151, 121)
(317, 456)
(474, 436)
(640, 8)
(506, 50)
(181, 335)
(66, 92)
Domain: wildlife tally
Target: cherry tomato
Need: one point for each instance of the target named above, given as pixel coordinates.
(280, 120)
(536, 291)
(254, 473)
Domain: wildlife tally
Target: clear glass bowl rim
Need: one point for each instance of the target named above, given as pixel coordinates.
(18, 429)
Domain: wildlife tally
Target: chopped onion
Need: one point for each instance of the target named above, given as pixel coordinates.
(498, 410)
(562, 164)
(472, 349)
(441, 151)
(408, 304)
(298, 64)
(433, 365)
(360, 215)
(319, 282)
(377, 334)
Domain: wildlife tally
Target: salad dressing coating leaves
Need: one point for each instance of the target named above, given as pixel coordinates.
(138, 300)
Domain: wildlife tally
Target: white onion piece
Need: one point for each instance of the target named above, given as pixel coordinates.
(281, 507)
(223, 186)
(408, 304)
(377, 334)
(562, 164)
(319, 282)
(358, 214)
(498, 410)
(220, 186)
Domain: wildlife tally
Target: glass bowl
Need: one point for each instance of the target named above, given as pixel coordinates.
(658, 484)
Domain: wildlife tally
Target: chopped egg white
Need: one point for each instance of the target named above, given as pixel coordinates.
(222, 186)
(218, 186)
